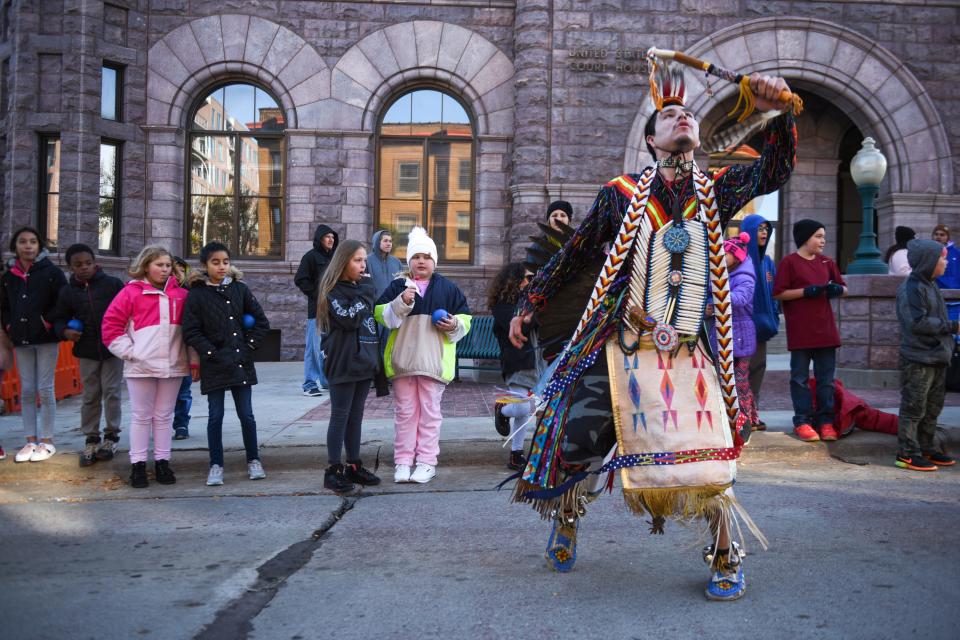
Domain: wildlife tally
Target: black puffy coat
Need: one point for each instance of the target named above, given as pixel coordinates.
(511, 358)
(86, 301)
(312, 265)
(28, 301)
(213, 326)
(351, 347)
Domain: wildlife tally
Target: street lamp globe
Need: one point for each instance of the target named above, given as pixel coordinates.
(869, 165)
(867, 169)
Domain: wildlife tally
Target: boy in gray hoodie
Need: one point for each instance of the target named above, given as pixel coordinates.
(926, 344)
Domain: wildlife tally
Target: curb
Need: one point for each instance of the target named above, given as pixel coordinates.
(768, 446)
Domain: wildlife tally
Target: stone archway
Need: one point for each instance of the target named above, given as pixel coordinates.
(408, 54)
(860, 77)
(425, 51)
(201, 51)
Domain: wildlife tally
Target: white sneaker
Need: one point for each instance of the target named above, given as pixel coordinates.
(24, 454)
(402, 473)
(43, 451)
(215, 477)
(255, 470)
(423, 474)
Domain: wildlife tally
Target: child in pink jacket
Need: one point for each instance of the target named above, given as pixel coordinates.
(142, 327)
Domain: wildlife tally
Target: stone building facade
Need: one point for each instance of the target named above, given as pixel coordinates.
(555, 91)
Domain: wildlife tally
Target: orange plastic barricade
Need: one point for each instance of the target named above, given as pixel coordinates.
(67, 380)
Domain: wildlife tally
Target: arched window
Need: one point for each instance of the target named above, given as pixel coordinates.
(236, 172)
(425, 172)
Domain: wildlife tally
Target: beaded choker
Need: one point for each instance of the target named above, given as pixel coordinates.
(675, 162)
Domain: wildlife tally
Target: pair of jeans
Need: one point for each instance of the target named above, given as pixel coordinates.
(521, 412)
(758, 369)
(102, 381)
(37, 365)
(181, 414)
(243, 401)
(824, 366)
(151, 408)
(313, 358)
(922, 391)
(347, 400)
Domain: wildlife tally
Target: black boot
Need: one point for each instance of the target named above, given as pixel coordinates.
(335, 480)
(163, 472)
(517, 461)
(500, 421)
(355, 473)
(138, 475)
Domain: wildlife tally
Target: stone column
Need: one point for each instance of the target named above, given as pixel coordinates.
(531, 128)
(870, 332)
(164, 206)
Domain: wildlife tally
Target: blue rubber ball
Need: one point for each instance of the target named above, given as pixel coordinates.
(439, 315)
(248, 321)
(76, 325)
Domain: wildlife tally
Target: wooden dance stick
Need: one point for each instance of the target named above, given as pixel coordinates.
(786, 96)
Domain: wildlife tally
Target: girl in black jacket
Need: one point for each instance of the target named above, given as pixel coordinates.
(351, 349)
(225, 324)
(518, 366)
(30, 287)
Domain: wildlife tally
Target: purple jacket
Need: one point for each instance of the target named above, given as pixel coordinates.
(742, 282)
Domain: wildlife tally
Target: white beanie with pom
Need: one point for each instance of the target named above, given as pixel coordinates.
(419, 242)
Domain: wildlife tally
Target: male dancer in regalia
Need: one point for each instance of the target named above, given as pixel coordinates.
(638, 390)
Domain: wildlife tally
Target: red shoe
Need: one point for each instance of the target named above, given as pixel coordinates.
(828, 433)
(806, 433)
(940, 459)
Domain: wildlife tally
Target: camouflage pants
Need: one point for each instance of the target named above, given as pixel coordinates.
(922, 391)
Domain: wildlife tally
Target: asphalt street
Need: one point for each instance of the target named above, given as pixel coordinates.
(857, 551)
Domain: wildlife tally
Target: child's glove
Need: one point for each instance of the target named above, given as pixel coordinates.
(813, 291)
(834, 290)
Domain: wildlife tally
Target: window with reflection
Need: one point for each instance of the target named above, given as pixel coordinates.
(236, 160)
(425, 172)
(108, 228)
(111, 92)
(49, 191)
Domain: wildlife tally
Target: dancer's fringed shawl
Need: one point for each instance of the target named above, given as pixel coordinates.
(734, 187)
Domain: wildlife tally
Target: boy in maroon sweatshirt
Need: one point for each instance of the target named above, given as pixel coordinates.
(806, 282)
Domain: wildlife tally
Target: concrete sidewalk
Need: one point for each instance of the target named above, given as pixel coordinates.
(286, 418)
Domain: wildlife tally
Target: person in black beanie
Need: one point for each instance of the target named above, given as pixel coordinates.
(806, 282)
(896, 256)
(559, 211)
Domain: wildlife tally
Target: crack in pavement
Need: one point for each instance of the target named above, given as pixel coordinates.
(234, 621)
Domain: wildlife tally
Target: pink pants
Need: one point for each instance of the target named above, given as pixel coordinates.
(417, 419)
(152, 401)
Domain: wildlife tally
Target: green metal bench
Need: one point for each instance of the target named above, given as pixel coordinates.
(479, 344)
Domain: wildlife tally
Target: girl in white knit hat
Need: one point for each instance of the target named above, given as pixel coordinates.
(426, 314)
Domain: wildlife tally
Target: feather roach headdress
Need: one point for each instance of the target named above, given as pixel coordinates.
(667, 84)
(662, 77)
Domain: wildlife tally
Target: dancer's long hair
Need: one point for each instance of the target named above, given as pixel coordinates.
(505, 287)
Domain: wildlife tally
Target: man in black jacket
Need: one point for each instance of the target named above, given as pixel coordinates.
(312, 266)
(77, 317)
